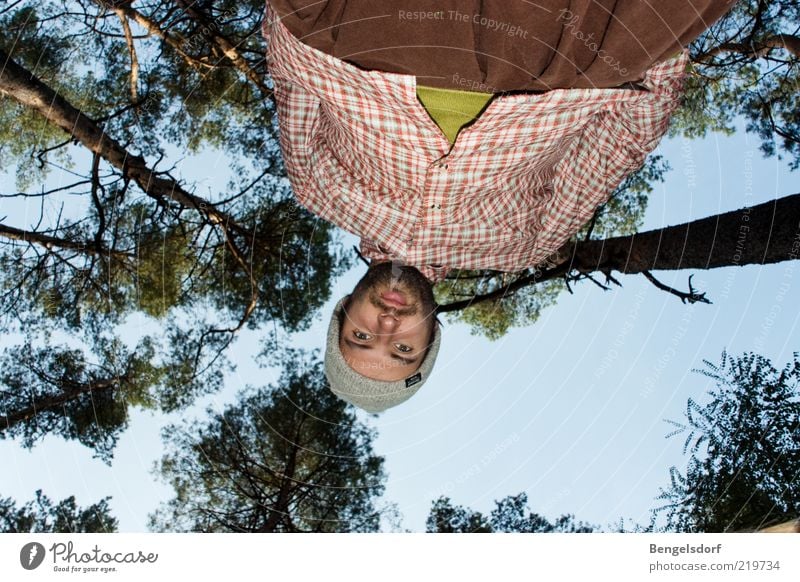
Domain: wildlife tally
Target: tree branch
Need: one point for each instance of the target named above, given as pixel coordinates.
(132, 50)
(210, 30)
(31, 92)
(153, 29)
(51, 403)
(83, 247)
(758, 49)
(24, 87)
(691, 296)
(525, 281)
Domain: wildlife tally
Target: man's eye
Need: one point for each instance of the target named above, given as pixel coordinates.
(403, 348)
(361, 335)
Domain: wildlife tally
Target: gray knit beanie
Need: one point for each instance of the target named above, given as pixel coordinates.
(372, 395)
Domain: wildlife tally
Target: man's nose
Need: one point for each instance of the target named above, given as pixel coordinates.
(388, 322)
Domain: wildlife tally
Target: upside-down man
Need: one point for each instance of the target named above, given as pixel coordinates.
(461, 134)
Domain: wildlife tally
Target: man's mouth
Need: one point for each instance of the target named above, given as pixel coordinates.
(394, 299)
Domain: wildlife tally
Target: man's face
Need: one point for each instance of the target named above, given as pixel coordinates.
(388, 322)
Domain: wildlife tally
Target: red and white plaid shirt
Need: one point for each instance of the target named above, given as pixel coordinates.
(362, 152)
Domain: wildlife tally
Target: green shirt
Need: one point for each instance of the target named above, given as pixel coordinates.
(452, 109)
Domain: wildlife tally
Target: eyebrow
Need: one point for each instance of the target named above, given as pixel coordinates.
(356, 345)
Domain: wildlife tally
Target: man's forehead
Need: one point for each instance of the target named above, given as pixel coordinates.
(378, 367)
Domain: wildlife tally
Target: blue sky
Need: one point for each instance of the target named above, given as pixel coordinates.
(570, 410)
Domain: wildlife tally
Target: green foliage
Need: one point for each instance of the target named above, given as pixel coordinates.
(41, 37)
(510, 514)
(741, 72)
(285, 458)
(444, 517)
(623, 213)
(19, 128)
(493, 318)
(41, 516)
(743, 472)
(105, 252)
(292, 262)
(56, 390)
(164, 259)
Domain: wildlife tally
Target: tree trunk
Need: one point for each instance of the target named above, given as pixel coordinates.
(757, 235)
(24, 87)
(280, 510)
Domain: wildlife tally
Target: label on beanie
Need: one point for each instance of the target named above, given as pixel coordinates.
(416, 378)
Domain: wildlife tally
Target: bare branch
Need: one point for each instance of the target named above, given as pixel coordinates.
(174, 41)
(42, 153)
(692, 296)
(533, 278)
(360, 256)
(593, 280)
(101, 214)
(126, 27)
(46, 193)
(759, 49)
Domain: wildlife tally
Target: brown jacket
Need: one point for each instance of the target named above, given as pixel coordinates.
(503, 45)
